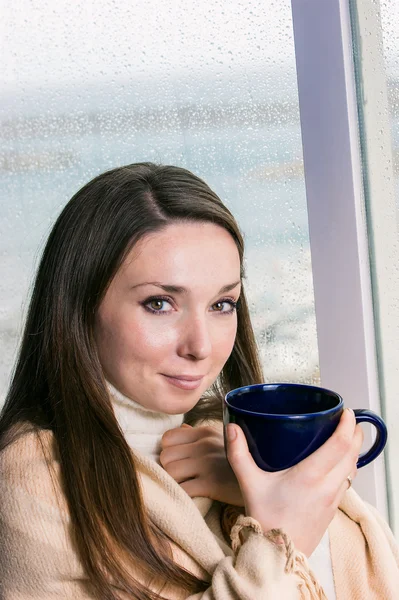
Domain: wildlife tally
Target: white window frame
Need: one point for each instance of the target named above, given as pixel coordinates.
(338, 226)
(382, 219)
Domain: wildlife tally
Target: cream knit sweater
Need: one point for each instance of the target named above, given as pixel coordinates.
(39, 561)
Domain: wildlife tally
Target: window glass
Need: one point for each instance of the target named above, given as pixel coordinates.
(390, 33)
(211, 86)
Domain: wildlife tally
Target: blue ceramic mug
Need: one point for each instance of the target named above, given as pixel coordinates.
(286, 422)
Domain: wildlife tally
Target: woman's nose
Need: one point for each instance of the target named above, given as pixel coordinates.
(195, 339)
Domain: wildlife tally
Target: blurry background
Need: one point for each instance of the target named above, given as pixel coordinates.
(390, 35)
(210, 86)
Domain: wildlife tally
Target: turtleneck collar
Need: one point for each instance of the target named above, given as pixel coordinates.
(143, 428)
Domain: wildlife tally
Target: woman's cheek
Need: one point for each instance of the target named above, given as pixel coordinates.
(153, 334)
(226, 338)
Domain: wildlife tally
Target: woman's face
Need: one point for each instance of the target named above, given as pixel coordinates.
(167, 323)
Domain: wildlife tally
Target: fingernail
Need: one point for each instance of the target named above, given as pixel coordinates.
(185, 425)
(350, 410)
(231, 432)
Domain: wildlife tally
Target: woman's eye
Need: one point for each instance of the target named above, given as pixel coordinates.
(158, 305)
(224, 306)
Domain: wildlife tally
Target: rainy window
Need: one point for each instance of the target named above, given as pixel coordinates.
(390, 31)
(210, 86)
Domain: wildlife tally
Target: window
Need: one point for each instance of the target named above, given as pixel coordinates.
(208, 86)
(376, 52)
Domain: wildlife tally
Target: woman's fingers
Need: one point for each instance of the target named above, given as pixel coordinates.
(194, 488)
(323, 460)
(180, 435)
(181, 470)
(174, 453)
(347, 466)
(336, 482)
(200, 443)
(345, 485)
(196, 458)
(239, 457)
(186, 435)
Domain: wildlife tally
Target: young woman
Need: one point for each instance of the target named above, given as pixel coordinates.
(113, 478)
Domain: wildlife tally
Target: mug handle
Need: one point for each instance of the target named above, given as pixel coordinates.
(367, 416)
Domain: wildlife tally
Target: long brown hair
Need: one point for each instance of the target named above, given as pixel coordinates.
(58, 383)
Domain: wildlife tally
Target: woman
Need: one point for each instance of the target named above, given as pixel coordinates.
(138, 321)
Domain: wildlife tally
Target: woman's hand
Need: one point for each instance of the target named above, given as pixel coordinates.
(302, 500)
(196, 459)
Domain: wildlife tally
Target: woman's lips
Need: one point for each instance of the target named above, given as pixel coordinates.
(184, 382)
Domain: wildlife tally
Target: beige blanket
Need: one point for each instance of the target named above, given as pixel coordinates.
(38, 560)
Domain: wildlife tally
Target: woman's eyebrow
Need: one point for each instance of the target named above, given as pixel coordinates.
(229, 287)
(178, 289)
